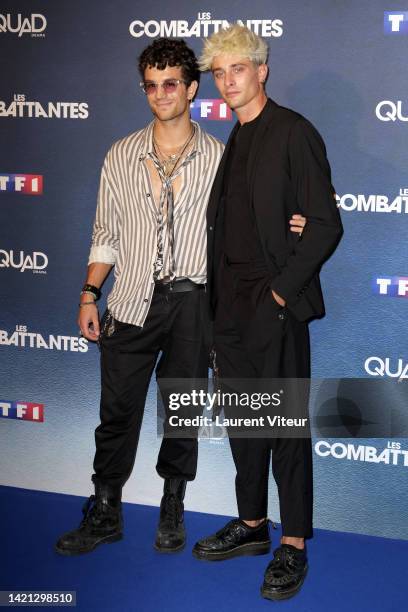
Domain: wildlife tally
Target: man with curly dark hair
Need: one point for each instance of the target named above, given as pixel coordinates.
(151, 225)
(170, 52)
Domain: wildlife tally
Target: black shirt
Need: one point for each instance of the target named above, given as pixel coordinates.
(240, 238)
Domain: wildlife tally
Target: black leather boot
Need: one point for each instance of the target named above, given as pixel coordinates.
(102, 522)
(171, 535)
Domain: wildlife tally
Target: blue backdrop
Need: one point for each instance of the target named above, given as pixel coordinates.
(69, 88)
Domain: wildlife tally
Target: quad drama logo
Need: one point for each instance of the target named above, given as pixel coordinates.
(210, 110)
(392, 368)
(392, 454)
(21, 108)
(23, 338)
(35, 25)
(390, 286)
(37, 262)
(23, 411)
(374, 203)
(28, 184)
(202, 27)
(387, 110)
(396, 22)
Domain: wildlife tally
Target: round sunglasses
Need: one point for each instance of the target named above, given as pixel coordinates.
(168, 85)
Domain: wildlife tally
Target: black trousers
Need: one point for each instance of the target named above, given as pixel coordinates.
(255, 338)
(176, 328)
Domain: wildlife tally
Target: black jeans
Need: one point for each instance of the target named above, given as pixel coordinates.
(176, 328)
(255, 338)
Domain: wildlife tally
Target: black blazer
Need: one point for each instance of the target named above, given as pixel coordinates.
(287, 173)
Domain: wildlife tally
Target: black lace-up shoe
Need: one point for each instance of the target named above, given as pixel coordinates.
(285, 574)
(101, 524)
(171, 535)
(234, 540)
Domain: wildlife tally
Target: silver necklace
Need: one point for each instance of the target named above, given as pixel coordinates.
(169, 162)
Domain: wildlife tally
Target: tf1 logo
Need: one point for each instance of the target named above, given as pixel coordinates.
(210, 110)
(25, 411)
(396, 22)
(30, 184)
(391, 286)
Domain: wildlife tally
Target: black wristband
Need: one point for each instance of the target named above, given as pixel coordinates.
(92, 289)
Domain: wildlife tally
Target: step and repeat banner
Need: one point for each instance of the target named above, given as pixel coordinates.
(69, 88)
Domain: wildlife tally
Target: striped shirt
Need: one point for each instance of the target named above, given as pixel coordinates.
(125, 227)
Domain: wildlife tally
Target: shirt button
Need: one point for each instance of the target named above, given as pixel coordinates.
(145, 300)
(148, 195)
(281, 315)
(211, 228)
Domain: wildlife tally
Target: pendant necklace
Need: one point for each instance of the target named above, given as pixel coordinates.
(169, 162)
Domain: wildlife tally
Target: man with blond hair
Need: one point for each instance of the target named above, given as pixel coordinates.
(264, 288)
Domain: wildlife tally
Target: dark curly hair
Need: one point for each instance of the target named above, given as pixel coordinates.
(170, 52)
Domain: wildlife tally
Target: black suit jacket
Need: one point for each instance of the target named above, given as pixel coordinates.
(287, 173)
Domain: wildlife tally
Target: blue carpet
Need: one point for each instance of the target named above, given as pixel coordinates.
(347, 572)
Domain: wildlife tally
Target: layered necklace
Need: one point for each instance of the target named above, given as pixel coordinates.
(169, 162)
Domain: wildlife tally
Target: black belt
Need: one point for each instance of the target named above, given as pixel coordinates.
(177, 286)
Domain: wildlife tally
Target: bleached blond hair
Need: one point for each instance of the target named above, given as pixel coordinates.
(237, 40)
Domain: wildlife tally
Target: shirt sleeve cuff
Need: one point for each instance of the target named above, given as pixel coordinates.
(102, 254)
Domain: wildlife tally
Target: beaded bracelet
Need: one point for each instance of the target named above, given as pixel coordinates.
(92, 289)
